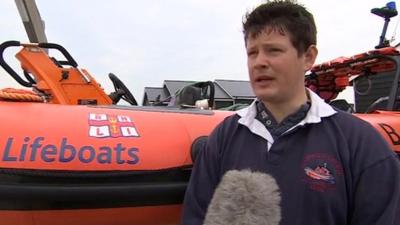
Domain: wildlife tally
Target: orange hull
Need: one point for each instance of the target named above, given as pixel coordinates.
(159, 215)
(65, 164)
(388, 125)
(94, 145)
(45, 136)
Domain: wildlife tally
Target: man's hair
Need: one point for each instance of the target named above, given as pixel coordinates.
(285, 17)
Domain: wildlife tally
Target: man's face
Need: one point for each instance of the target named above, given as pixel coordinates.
(276, 69)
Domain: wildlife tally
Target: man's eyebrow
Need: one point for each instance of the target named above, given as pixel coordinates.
(276, 45)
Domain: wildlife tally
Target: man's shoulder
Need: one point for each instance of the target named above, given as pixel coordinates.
(227, 126)
(234, 118)
(230, 120)
(363, 136)
(356, 130)
(348, 120)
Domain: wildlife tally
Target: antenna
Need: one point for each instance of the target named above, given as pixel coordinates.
(393, 38)
(34, 25)
(385, 12)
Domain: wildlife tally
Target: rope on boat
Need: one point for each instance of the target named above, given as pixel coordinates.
(12, 94)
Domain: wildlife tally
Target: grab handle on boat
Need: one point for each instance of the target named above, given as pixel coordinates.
(7, 67)
(70, 61)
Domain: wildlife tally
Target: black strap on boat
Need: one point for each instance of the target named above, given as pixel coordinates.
(48, 190)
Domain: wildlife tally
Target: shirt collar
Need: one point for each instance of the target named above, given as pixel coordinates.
(318, 110)
(248, 119)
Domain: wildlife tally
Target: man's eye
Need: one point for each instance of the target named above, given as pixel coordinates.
(274, 50)
(250, 53)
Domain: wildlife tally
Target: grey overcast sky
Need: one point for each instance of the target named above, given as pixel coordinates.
(147, 42)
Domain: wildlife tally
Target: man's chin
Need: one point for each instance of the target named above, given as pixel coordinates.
(266, 96)
(272, 99)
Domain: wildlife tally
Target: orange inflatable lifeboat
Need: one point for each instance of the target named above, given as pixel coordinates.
(70, 156)
(330, 78)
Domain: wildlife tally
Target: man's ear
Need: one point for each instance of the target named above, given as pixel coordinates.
(309, 57)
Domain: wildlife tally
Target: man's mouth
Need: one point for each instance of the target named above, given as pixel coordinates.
(263, 79)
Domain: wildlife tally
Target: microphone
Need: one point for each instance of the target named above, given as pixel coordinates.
(245, 198)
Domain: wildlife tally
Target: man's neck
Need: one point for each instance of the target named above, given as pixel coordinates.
(280, 110)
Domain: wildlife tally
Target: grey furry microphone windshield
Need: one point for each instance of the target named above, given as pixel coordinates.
(245, 198)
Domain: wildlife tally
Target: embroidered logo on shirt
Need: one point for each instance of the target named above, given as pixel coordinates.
(321, 171)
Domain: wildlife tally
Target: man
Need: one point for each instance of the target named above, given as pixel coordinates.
(331, 167)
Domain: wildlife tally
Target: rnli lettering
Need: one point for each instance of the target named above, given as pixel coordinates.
(64, 152)
(391, 132)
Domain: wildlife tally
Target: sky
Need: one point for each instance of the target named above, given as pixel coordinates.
(147, 42)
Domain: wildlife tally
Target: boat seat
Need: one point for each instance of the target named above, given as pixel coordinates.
(342, 104)
(188, 96)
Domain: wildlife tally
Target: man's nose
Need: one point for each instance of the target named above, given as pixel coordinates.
(261, 61)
